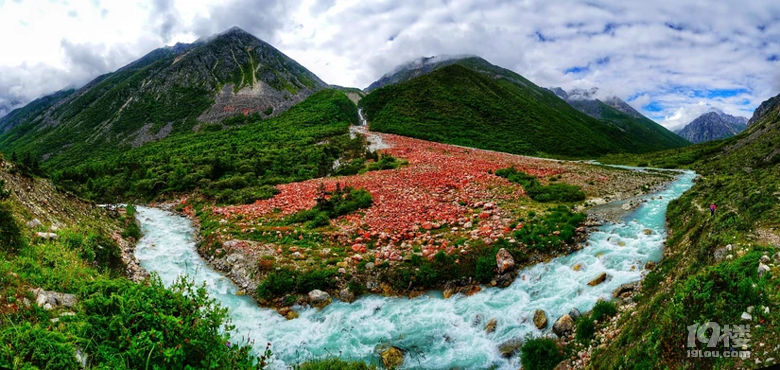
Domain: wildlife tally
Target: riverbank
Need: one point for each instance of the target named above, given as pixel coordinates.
(436, 328)
(344, 265)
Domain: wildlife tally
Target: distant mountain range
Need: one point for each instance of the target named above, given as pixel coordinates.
(616, 112)
(234, 78)
(714, 125)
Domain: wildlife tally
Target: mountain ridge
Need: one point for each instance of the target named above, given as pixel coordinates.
(169, 90)
(711, 126)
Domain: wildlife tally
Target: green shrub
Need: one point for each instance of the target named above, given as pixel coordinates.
(485, 270)
(11, 239)
(539, 192)
(149, 326)
(277, 283)
(333, 364)
(316, 279)
(132, 231)
(33, 344)
(540, 354)
(586, 329)
(603, 309)
(332, 204)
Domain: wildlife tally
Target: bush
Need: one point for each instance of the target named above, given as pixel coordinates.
(277, 283)
(33, 344)
(332, 204)
(540, 354)
(586, 329)
(603, 309)
(149, 326)
(316, 279)
(11, 239)
(485, 269)
(333, 364)
(539, 192)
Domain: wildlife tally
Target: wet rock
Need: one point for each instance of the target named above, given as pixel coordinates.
(34, 223)
(491, 326)
(650, 265)
(449, 290)
(599, 279)
(346, 295)
(510, 347)
(647, 232)
(392, 357)
(762, 269)
(504, 261)
(292, 315)
(505, 280)
(470, 290)
(318, 298)
(574, 313)
(564, 326)
(623, 289)
(540, 319)
(577, 267)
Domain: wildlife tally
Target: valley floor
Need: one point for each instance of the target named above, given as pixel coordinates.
(444, 199)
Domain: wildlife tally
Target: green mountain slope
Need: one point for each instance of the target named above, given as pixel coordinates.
(32, 109)
(618, 113)
(474, 103)
(170, 91)
(234, 165)
(714, 267)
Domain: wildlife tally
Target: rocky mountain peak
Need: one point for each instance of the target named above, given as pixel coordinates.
(713, 125)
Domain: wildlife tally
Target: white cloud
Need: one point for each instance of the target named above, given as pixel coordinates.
(666, 55)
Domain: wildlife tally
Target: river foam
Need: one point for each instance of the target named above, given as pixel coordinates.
(437, 333)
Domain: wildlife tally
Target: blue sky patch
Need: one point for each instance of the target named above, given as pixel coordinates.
(654, 106)
(578, 69)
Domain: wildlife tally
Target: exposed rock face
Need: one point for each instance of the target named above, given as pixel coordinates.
(504, 261)
(392, 357)
(540, 319)
(713, 126)
(319, 299)
(564, 326)
(599, 279)
(766, 107)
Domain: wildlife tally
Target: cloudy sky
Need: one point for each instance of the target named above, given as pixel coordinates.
(671, 59)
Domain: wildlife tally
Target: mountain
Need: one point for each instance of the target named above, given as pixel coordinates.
(470, 102)
(616, 112)
(414, 68)
(169, 91)
(32, 109)
(772, 104)
(713, 126)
